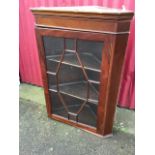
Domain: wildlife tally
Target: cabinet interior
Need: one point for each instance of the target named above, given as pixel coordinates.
(73, 70)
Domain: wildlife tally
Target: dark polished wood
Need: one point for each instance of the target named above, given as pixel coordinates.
(100, 24)
(104, 20)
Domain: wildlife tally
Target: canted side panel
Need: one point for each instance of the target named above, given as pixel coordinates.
(118, 50)
(106, 59)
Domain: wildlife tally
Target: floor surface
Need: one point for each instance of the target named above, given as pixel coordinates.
(40, 135)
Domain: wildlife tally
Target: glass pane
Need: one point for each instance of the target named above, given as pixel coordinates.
(73, 69)
(53, 45)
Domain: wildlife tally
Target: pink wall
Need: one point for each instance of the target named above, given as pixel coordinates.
(29, 63)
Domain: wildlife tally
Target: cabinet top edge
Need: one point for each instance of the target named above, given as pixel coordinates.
(83, 10)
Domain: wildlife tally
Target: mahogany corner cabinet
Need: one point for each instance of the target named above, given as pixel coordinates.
(81, 52)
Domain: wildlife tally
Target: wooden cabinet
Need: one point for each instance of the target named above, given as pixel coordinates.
(81, 52)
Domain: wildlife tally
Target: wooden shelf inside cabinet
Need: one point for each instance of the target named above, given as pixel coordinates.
(78, 90)
(89, 61)
(81, 52)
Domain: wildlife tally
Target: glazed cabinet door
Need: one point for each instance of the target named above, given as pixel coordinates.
(73, 66)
